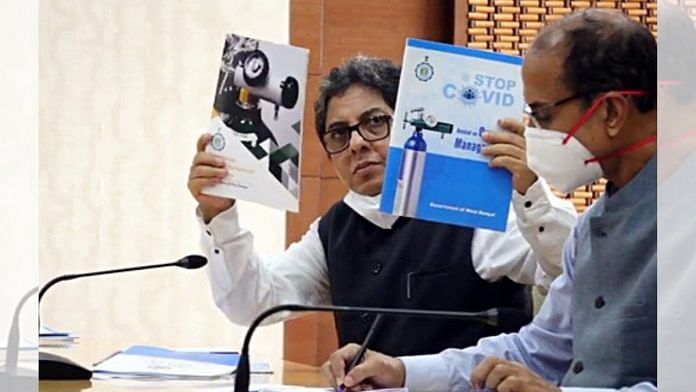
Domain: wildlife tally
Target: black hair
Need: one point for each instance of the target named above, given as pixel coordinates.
(605, 50)
(382, 75)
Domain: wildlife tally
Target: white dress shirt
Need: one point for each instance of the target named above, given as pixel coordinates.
(244, 284)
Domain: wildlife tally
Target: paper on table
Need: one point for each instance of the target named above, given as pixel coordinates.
(144, 361)
(136, 365)
(45, 330)
(254, 367)
(50, 337)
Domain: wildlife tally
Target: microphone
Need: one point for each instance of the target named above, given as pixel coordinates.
(55, 367)
(13, 378)
(492, 317)
(188, 262)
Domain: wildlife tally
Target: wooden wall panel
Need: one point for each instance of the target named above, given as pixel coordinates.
(310, 339)
(461, 21)
(313, 154)
(305, 30)
(509, 26)
(380, 28)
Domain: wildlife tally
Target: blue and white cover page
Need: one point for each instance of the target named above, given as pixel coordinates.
(448, 95)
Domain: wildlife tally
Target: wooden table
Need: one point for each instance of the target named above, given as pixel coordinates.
(285, 372)
(291, 373)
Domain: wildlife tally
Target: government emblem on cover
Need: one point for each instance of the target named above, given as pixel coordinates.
(424, 71)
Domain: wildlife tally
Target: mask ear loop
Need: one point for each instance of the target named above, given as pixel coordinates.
(649, 140)
(585, 117)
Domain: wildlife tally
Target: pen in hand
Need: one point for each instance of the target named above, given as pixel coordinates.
(361, 352)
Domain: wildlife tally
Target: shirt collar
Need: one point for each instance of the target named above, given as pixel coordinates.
(368, 208)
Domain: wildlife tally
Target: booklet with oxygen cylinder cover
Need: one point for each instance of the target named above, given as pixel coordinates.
(257, 121)
(448, 96)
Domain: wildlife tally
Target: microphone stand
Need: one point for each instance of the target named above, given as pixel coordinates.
(13, 378)
(56, 367)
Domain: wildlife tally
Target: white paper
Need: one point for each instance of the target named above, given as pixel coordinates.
(138, 365)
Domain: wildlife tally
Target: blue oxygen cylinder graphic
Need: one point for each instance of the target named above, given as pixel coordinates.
(411, 175)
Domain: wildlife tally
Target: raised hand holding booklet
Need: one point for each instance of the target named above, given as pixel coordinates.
(257, 121)
(448, 96)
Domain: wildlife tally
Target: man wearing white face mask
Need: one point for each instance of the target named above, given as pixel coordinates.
(590, 81)
(565, 161)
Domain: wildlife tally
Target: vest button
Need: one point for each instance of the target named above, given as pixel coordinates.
(365, 317)
(578, 367)
(599, 302)
(600, 233)
(376, 269)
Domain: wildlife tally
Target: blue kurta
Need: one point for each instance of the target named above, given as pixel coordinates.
(597, 328)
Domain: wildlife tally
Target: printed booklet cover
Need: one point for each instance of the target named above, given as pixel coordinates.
(448, 95)
(257, 121)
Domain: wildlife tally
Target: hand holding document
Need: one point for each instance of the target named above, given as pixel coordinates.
(256, 125)
(449, 97)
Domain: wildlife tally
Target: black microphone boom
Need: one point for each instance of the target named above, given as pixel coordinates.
(55, 367)
(188, 262)
(493, 317)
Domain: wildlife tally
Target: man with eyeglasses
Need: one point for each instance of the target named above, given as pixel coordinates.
(591, 84)
(355, 255)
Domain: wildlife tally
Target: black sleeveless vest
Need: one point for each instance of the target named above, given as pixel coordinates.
(415, 264)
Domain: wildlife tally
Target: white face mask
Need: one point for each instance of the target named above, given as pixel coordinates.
(561, 165)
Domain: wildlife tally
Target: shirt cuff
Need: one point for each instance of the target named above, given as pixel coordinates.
(537, 195)
(224, 227)
(426, 373)
(533, 203)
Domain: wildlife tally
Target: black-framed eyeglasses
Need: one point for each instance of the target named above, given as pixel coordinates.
(541, 114)
(372, 129)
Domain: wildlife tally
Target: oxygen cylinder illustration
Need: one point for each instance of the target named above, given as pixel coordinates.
(408, 187)
(411, 175)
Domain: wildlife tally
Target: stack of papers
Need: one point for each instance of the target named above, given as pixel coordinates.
(50, 337)
(158, 363)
